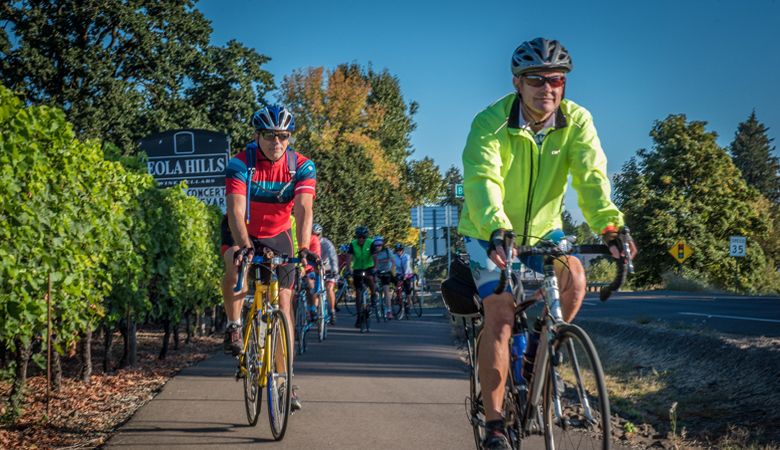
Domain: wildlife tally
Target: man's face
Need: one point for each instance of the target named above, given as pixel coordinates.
(273, 143)
(542, 92)
(361, 240)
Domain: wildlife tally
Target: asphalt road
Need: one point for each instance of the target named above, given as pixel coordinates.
(741, 315)
(400, 387)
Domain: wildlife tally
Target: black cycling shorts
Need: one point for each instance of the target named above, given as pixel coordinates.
(386, 278)
(281, 244)
(362, 276)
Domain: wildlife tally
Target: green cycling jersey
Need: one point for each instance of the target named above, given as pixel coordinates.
(516, 179)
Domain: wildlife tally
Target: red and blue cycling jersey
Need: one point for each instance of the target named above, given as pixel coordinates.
(273, 189)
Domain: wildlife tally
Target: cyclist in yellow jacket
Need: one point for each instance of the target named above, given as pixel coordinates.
(518, 156)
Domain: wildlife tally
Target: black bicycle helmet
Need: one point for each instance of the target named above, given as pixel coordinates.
(399, 246)
(361, 232)
(540, 54)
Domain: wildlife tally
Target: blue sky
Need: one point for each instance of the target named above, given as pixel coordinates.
(634, 62)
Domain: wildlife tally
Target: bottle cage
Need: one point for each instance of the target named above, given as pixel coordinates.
(251, 157)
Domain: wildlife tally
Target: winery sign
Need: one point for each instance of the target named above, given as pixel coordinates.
(198, 157)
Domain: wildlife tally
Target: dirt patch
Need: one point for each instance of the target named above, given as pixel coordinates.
(694, 388)
(85, 415)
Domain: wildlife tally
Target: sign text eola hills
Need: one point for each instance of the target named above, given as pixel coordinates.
(198, 157)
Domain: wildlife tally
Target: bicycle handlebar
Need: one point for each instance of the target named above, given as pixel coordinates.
(623, 264)
(274, 260)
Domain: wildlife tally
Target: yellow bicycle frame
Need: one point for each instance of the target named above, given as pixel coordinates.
(269, 292)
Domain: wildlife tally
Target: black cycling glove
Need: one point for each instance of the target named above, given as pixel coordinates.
(243, 253)
(496, 240)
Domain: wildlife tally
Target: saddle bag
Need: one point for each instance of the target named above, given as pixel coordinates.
(459, 290)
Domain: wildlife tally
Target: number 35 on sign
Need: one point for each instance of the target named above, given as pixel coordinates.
(738, 246)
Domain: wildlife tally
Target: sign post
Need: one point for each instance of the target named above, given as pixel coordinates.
(737, 249)
(430, 218)
(680, 251)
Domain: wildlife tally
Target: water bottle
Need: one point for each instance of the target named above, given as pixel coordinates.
(262, 327)
(519, 341)
(530, 350)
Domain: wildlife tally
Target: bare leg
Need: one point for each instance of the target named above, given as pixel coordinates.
(494, 352)
(572, 285)
(233, 301)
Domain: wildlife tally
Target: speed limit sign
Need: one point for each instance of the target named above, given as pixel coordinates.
(738, 246)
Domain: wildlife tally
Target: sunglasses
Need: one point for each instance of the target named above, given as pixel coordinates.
(539, 80)
(271, 135)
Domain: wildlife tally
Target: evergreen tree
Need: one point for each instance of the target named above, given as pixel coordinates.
(452, 177)
(752, 153)
(686, 187)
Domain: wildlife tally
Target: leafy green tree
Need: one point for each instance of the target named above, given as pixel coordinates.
(752, 152)
(686, 187)
(355, 125)
(123, 69)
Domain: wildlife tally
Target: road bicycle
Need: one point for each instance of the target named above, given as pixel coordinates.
(564, 397)
(303, 321)
(404, 304)
(363, 302)
(379, 307)
(344, 292)
(265, 361)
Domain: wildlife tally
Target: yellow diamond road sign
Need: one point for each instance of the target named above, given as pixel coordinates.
(680, 251)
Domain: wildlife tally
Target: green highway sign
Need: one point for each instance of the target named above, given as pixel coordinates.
(459, 190)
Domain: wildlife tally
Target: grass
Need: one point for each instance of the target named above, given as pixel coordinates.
(720, 387)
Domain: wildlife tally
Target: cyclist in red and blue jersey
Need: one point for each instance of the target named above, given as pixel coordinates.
(281, 181)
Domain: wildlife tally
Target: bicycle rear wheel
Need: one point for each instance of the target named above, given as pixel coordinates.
(279, 376)
(252, 362)
(575, 382)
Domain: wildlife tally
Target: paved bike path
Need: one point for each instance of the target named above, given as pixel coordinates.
(402, 386)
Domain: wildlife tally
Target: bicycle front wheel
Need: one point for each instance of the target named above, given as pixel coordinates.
(252, 362)
(301, 319)
(279, 376)
(576, 405)
(416, 302)
(474, 406)
(322, 325)
(397, 305)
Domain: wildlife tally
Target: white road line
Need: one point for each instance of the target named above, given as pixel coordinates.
(718, 316)
(589, 303)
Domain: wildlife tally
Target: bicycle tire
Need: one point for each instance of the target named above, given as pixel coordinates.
(376, 307)
(301, 311)
(342, 296)
(322, 325)
(417, 303)
(579, 371)
(397, 305)
(252, 362)
(279, 383)
(365, 311)
(475, 407)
